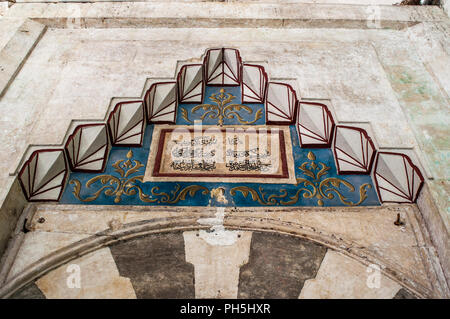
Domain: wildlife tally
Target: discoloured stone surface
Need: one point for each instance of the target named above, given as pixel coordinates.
(99, 278)
(9, 213)
(40, 244)
(368, 229)
(342, 277)
(217, 265)
(30, 291)
(278, 266)
(282, 15)
(156, 266)
(15, 52)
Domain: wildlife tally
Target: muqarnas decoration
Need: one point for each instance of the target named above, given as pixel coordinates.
(161, 103)
(127, 124)
(190, 83)
(314, 125)
(254, 82)
(87, 148)
(222, 67)
(43, 176)
(281, 102)
(353, 149)
(397, 179)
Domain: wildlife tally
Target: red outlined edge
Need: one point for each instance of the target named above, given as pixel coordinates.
(105, 156)
(162, 136)
(369, 168)
(63, 183)
(294, 111)
(147, 106)
(263, 76)
(144, 120)
(238, 61)
(415, 168)
(181, 85)
(313, 145)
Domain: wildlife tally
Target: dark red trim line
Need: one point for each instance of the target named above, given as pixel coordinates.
(415, 169)
(326, 114)
(148, 106)
(368, 169)
(236, 77)
(263, 79)
(26, 164)
(181, 80)
(292, 108)
(73, 166)
(162, 136)
(402, 193)
(115, 124)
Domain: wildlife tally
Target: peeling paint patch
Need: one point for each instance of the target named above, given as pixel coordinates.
(217, 235)
(219, 195)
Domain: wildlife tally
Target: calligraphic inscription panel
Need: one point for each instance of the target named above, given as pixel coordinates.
(231, 154)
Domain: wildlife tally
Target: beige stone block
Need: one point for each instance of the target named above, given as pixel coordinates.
(99, 278)
(340, 277)
(217, 257)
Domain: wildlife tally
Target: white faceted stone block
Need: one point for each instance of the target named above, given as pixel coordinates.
(314, 125)
(127, 123)
(397, 179)
(87, 148)
(161, 102)
(353, 149)
(43, 175)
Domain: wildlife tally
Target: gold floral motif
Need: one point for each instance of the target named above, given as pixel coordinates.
(320, 189)
(125, 185)
(223, 109)
(176, 194)
(259, 197)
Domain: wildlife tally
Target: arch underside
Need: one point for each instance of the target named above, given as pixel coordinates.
(175, 252)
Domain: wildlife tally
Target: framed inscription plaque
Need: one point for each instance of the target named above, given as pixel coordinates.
(231, 154)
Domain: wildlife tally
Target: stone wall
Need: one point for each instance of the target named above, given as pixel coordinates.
(66, 62)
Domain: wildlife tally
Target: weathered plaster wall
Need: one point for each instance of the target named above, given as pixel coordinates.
(394, 78)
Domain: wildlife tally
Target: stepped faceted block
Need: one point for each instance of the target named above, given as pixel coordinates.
(43, 175)
(314, 125)
(126, 124)
(161, 103)
(254, 80)
(222, 67)
(190, 84)
(281, 102)
(354, 150)
(87, 148)
(397, 178)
